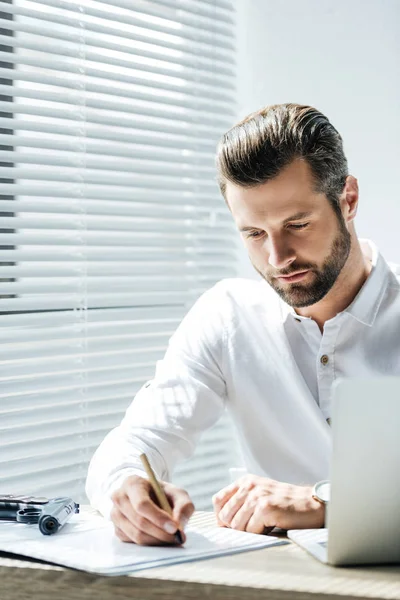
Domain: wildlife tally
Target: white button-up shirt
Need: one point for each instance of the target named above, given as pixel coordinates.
(243, 348)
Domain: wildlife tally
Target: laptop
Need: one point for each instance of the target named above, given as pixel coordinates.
(363, 515)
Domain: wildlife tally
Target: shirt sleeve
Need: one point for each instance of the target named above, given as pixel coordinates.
(169, 413)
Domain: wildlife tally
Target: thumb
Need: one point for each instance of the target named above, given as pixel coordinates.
(182, 505)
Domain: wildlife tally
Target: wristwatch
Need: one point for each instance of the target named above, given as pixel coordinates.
(322, 491)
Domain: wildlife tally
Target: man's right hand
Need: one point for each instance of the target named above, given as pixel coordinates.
(138, 518)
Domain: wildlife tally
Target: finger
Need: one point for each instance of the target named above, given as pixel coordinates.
(222, 497)
(139, 536)
(182, 506)
(219, 522)
(261, 521)
(165, 533)
(242, 517)
(139, 503)
(121, 535)
(232, 506)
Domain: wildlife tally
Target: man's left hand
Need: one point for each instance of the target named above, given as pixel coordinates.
(258, 504)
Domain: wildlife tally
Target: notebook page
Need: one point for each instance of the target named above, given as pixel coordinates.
(89, 543)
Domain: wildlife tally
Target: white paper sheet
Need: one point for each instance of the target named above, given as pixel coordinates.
(89, 543)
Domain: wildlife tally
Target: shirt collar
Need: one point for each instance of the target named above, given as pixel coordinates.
(366, 304)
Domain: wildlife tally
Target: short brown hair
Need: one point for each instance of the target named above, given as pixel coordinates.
(259, 147)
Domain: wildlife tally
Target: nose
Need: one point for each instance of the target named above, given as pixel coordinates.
(280, 255)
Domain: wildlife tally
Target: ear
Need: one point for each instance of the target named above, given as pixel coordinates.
(349, 199)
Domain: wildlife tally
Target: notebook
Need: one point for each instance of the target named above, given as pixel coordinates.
(88, 543)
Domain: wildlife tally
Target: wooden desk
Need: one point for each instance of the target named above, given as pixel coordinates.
(277, 573)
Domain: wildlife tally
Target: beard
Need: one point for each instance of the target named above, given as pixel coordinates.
(299, 295)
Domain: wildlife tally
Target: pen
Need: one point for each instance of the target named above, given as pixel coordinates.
(159, 492)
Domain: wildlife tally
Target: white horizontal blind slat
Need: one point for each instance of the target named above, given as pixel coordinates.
(111, 221)
(122, 25)
(41, 47)
(106, 178)
(69, 146)
(110, 163)
(178, 98)
(148, 134)
(104, 18)
(127, 44)
(160, 121)
(95, 223)
(169, 82)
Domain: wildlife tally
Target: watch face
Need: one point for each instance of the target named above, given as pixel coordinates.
(322, 490)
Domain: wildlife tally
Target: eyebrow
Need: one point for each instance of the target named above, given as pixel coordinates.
(296, 217)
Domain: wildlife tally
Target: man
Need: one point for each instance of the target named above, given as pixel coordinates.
(327, 306)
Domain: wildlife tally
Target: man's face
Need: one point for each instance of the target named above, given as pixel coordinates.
(294, 238)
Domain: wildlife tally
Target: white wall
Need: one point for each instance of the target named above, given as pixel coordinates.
(343, 57)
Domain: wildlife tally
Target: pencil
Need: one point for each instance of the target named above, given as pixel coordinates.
(159, 492)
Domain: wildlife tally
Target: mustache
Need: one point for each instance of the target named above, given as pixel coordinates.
(294, 269)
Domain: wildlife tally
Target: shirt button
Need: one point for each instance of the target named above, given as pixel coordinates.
(324, 359)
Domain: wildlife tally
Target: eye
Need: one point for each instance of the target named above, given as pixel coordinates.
(298, 225)
(255, 234)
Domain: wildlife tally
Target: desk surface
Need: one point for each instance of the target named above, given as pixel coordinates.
(278, 573)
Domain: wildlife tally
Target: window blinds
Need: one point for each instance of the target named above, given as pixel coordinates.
(111, 220)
